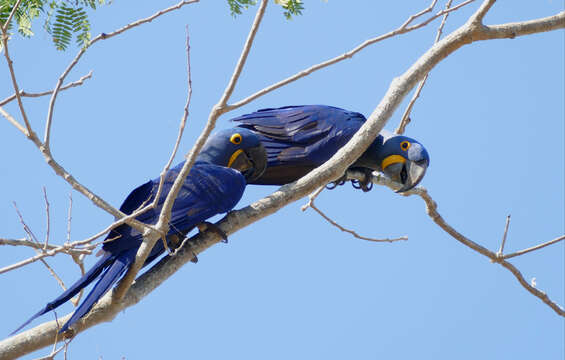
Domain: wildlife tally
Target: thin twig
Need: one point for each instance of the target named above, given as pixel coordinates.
(406, 116)
(106, 309)
(32, 259)
(44, 147)
(418, 14)
(312, 197)
(501, 250)
(7, 23)
(34, 95)
(162, 225)
(69, 216)
(53, 273)
(34, 245)
(42, 252)
(311, 204)
(48, 225)
(4, 37)
(39, 248)
(404, 28)
(14, 122)
(533, 248)
(101, 36)
(27, 229)
(181, 126)
(431, 209)
(78, 260)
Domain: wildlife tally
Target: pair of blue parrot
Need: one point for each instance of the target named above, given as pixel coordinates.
(268, 147)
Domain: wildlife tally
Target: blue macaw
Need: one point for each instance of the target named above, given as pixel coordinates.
(301, 138)
(229, 159)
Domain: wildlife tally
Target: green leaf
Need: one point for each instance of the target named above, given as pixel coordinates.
(292, 7)
(236, 6)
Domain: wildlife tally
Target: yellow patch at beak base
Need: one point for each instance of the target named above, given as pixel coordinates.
(234, 156)
(392, 159)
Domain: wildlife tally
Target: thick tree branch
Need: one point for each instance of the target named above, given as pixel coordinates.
(44, 147)
(162, 225)
(105, 310)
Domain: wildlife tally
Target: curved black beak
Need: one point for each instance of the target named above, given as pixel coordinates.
(407, 172)
(251, 162)
(411, 174)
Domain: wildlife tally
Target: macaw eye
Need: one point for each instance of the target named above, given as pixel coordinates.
(405, 145)
(235, 139)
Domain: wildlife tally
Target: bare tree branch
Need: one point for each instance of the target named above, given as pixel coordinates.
(13, 121)
(431, 209)
(101, 36)
(4, 37)
(501, 250)
(48, 222)
(310, 204)
(34, 95)
(533, 248)
(44, 147)
(406, 116)
(404, 28)
(106, 309)
(162, 224)
(34, 245)
(436, 217)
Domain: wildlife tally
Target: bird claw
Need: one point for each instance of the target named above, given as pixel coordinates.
(205, 225)
(336, 183)
(366, 184)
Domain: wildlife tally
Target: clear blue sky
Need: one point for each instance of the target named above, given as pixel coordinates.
(291, 286)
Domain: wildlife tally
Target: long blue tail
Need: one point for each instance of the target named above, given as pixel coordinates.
(110, 266)
(81, 283)
(110, 276)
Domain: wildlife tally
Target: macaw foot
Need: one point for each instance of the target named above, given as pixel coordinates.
(194, 258)
(337, 183)
(205, 225)
(366, 184)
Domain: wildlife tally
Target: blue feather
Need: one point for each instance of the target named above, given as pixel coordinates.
(209, 189)
(301, 138)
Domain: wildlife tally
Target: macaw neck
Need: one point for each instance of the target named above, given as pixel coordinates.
(212, 155)
(371, 158)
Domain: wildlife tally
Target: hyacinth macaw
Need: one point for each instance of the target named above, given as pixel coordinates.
(229, 159)
(301, 138)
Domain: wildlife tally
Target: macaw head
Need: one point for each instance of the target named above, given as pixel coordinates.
(236, 148)
(401, 158)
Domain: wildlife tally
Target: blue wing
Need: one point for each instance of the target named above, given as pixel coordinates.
(208, 190)
(299, 138)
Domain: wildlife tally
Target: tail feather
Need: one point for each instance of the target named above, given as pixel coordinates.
(108, 278)
(80, 284)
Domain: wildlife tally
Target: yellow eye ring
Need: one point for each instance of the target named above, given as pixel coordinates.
(405, 145)
(236, 139)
